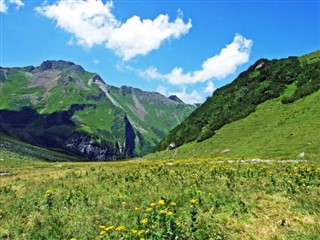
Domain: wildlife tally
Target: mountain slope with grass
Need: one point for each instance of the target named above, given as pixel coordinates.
(60, 106)
(272, 110)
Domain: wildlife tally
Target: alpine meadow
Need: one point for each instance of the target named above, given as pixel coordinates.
(151, 120)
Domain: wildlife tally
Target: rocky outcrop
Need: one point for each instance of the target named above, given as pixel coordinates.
(61, 65)
(175, 98)
(87, 147)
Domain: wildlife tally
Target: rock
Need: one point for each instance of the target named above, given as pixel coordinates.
(5, 174)
(301, 155)
(225, 150)
(60, 65)
(259, 66)
(171, 146)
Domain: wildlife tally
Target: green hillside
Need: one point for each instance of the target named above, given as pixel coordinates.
(58, 105)
(271, 110)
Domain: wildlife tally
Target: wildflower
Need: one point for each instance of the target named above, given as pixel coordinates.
(136, 208)
(48, 193)
(73, 238)
(109, 228)
(193, 201)
(148, 209)
(173, 204)
(161, 202)
(163, 211)
(124, 203)
(120, 228)
(144, 221)
(152, 204)
(142, 239)
(169, 213)
(141, 232)
(134, 231)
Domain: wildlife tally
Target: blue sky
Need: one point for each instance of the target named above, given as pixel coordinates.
(188, 48)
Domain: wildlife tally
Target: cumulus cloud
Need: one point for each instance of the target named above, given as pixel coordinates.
(92, 23)
(210, 88)
(4, 5)
(217, 67)
(163, 90)
(18, 3)
(190, 98)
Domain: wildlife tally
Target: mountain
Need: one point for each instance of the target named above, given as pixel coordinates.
(269, 103)
(175, 98)
(60, 106)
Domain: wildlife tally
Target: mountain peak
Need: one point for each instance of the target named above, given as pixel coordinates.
(60, 65)
(175, 98)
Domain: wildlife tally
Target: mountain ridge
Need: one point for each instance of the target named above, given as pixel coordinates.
(77, 112)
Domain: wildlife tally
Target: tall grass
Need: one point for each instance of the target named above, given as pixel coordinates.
(159, 200)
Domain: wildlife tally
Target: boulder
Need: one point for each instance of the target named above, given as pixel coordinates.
(171, 146)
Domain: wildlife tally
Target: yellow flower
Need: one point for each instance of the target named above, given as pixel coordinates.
(73, 238)
(144, 221)
(173, 204)
(152, 204)
(148, 209)
(193, 201)
(136, 208)
(102, 227)
(109, 228)
(134, 231)
(49, 192)
(142, 239)
(124, 203)
(169, 213)
(161, 202)
(120, 228)
(141, 232)
(163, 211)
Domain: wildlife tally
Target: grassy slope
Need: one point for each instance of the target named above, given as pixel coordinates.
(13, 151)
(274, 131)
(264, 80)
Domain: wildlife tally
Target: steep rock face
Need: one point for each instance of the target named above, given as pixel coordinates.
(87, 147)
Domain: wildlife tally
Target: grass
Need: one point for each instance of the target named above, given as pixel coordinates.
(158, 200)
(273, 131)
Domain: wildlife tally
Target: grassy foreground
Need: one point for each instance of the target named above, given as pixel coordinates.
(158, 200)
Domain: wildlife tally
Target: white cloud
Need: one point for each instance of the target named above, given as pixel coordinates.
(139, 37)
(93, 23)
(19, 3)
(210, 88)
(218, 66)
(90, 21)
(190, 98)
(96, 61)
(162, 90)
(4, 5)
